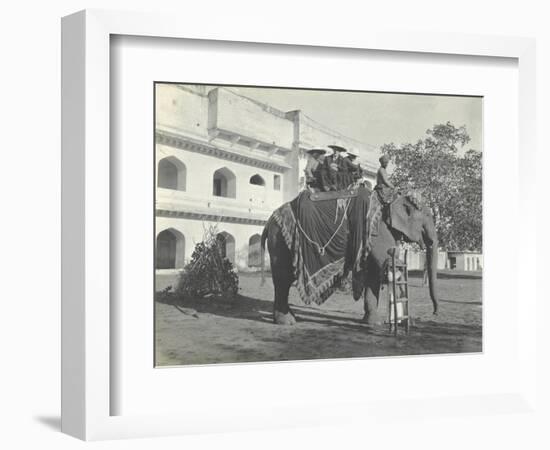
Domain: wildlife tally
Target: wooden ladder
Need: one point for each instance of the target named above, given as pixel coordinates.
(398, 269)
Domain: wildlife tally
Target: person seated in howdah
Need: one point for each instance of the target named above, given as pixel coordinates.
(330, 169)
(315, 174)
(339, 167)
(353, 170)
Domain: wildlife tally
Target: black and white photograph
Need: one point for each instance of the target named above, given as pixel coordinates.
(300, 224)
(245, 225)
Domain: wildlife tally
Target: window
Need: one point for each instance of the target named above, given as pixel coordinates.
(172, 174)
(224, 183)
(277, 182)
(257, 180)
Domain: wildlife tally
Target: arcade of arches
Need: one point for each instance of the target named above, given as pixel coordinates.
(172, 174)
(170, 251)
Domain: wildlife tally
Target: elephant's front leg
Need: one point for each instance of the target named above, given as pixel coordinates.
(282, 314)
(373, 315)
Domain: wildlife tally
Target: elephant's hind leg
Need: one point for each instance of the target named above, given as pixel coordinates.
(282, 314)
(281, 273)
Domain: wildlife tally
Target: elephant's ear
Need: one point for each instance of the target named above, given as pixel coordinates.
(406, 218)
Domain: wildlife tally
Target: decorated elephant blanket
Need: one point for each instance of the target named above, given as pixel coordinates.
(326, 238)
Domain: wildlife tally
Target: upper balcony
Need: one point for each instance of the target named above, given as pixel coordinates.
(241, 120)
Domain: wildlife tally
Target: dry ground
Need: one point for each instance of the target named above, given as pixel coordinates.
(226, 331)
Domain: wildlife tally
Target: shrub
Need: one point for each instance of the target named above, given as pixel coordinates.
(208, 273)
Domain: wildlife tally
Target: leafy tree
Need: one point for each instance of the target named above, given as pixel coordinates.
(449, 182)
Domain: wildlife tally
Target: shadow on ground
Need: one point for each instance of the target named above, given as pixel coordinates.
(248, 308)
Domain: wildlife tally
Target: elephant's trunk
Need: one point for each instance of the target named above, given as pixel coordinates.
(432, 254)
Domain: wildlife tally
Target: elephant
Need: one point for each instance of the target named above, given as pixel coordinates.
(409, 221)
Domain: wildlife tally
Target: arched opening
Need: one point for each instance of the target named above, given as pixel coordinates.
(170, 251)
(227, 245)
(172, 174)
(257, 180)
(254, 251)
(224, 183)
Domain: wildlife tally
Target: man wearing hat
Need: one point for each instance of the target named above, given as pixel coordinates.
(339, 167)
(352, 170)
(315, 176)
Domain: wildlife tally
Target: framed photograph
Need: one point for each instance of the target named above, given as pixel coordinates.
(251, 219)
(281, 192)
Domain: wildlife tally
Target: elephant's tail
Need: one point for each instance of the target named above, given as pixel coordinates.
(262, 251)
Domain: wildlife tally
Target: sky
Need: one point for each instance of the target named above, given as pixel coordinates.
(377, 118)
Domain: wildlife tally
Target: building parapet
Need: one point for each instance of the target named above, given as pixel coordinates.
(240, 118)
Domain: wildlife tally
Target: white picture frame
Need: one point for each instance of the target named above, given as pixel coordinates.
(86, 215)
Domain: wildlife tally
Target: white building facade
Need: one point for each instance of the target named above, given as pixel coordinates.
(227, 161)
(465, 261)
